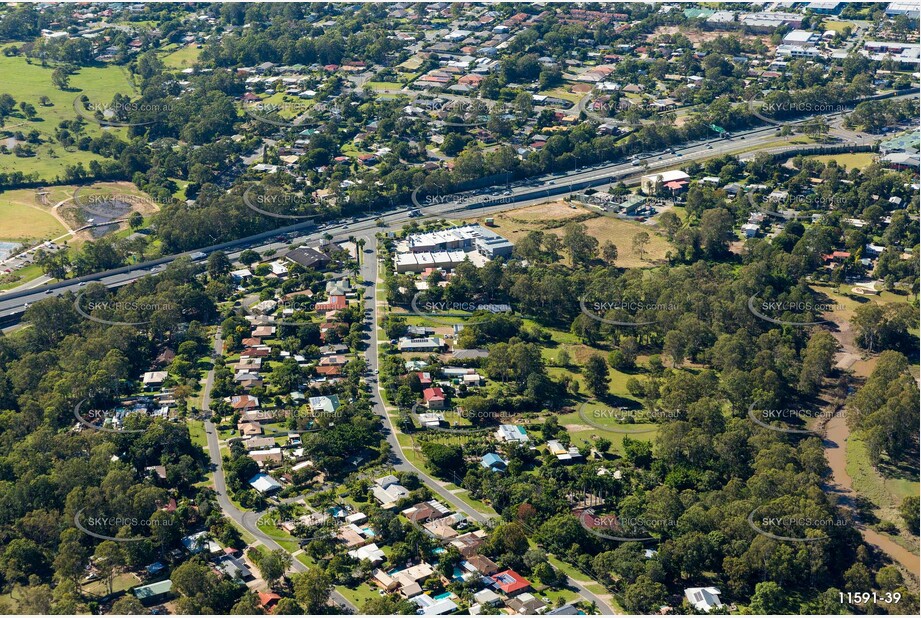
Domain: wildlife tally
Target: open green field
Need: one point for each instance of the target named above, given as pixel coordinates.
(182, 57)
(581, 432)
(27, 81)
(22, 218)
(856, 160)
(563, 92)
(122, 581)
(49, 161)
(284, 106)
(21, 276)
(384, 85)
(838, 26)
(197, 433)
(359, 594)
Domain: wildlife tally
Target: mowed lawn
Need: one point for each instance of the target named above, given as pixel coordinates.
(181, 57)
(27, 82)
(552, 217)
(856, 160)
(22, 219)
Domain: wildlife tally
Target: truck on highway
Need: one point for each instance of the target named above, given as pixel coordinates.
(197, 256)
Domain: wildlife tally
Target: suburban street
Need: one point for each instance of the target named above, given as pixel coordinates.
(399, 461)
(220, 484)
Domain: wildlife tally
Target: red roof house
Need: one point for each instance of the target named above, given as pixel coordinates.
(510, 582)
(434, 398)
(268, 600)
(335, 303)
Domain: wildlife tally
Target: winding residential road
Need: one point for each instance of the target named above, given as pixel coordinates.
(398, 457)
(220, 485)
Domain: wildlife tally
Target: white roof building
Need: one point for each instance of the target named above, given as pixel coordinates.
(264, 484)
(371, 552)
(431, 419)
(703, 599)
(432, 607)
(199, 542)
(154, 377)
(801, 38)
(561, 452)
(649, 183)
(511, 433)
(387, 490)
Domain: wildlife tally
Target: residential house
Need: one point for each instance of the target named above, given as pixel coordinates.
(492, 461)
(233, 567)
(431, 419)
(383, 579)
(328, 371)
(268, 601)
(247, 429)
(511, 433)
(200, 543)
(308, 257)
(371, 552)
(335, 302)
(486, 597)
(255, 443)
(703, 599)
(434, 607)
(388, 491)
(565, 610)
(526, 604)
(264, 484)
(434, 398)
(334, 361)
(468, 544)
(263, 456)
(563, 453)
(153, 594)
(425, 511)
(510, 582)
(154, 379)
(324, 404)
(483, 565)
(244, 402)
(425, 344)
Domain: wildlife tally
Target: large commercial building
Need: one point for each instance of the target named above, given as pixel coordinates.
(671, 179)
(447, 248)
(908, 9)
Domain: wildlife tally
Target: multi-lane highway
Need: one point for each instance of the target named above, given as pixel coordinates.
(472, 203)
